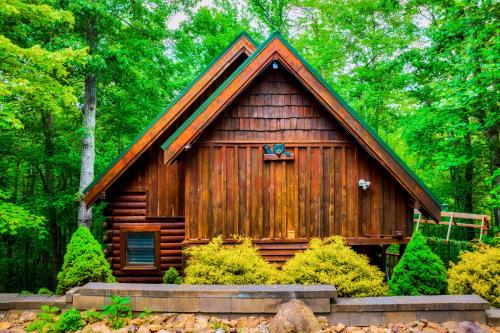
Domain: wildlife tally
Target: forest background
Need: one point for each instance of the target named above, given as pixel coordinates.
(423, 73)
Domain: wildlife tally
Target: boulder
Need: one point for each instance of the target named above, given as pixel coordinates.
(294, 316)
(469, 327)
(27, 316)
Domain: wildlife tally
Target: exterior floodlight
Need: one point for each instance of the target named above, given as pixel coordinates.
(364, 184)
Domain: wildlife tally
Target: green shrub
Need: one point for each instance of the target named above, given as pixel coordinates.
(216, 263)
(92, 316)
(46, 319)
(118, 311)
(84, 262)
(331, 261)
(69, 321)
(419, 272)
(477, 273)
(44, 291)
(171, 276)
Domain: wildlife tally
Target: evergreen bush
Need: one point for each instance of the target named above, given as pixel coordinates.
(84, 262)
(419, 272)
(216, 263)
(331, 261)
(172, 276)
(477, 273)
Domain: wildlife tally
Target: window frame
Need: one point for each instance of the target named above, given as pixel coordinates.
(124, 231)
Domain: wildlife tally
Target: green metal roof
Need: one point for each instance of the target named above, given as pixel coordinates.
(169, 106)
(370, 130)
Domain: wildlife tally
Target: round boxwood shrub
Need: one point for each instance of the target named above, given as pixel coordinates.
(84, 262)
(477, 273)
(172, 276)
(419, 272)
(331, 261)
(217, 263)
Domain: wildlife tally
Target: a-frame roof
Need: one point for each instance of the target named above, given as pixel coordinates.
(242, 44)
(276, 48)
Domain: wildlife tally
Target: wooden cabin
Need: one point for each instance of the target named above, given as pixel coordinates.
(257, 145)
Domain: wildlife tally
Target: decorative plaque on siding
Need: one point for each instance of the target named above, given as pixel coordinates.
(278, 153)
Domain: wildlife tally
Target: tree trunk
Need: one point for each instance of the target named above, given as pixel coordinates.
(88, 138)
(493, 141)
(48, 181)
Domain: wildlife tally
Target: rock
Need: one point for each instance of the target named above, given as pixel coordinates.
(450, 325)
(184, 321)
(469, 327)
(5, 325)
(143, 329)
(323, 322)
(158, 320)
(294, 316)
(339, 327)
(137, 321)
(132, 328)
(253, 322)
(12, 315)
(262, 328)
(27, 316)
(100, 328)
(154, 328)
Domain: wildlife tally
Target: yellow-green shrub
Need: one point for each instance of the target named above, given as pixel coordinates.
(477, 273)
(331, 261)
(216, 263)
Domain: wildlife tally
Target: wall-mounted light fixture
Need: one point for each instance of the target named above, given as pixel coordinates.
(275, 65)
(187, 147)
(364, 184)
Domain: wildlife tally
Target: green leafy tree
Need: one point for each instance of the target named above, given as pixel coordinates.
(37, 95)
(84, 262)
(419, 272)
(273, 13)
(454, 128)
(207, 32)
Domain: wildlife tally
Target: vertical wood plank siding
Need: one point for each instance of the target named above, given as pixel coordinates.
(232, 190)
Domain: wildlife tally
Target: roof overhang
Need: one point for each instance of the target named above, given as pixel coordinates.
(241, 44)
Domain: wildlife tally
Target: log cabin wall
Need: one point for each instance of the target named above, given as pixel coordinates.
(150, 194)
(232, 190)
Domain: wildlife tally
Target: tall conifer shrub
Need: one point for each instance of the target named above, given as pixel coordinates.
(84, 262)
(419, 272)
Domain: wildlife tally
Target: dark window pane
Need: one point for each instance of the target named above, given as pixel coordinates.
(140, 248)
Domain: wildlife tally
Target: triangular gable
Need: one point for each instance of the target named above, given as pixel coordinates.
(277, 48)
(241, 44)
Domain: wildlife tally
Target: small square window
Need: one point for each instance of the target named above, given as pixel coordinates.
(141, 248)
